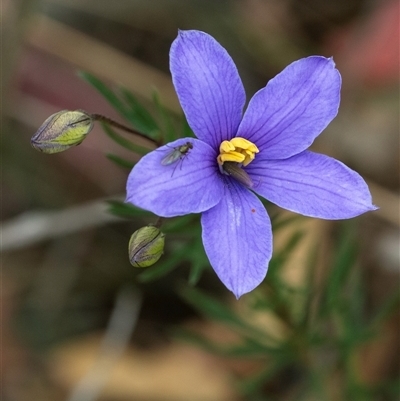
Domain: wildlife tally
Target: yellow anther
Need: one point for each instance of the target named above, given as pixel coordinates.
(238, 150)
(231, 157)
(226, 147)
(243, 144)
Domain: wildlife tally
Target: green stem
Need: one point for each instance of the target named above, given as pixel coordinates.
(159, 222)
(109, 121)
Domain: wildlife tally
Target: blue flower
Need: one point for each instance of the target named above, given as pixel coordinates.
(236, 154)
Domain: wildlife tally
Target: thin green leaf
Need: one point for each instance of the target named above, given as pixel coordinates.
(199, 262)
(196, 271)
(165, 266)
(127, 112)
(119, 161)
(307, 315)
(107, 93)
(144, 121)
(211, 307)
(186, 130)
(216, 310)
(389, 306)
(247, 349)
(169, 131)
(179, 224)
(279, 222)
(355, 300)
(127, 210)
(345, 257)
(280, 257)
(255, 382)
(125, 143)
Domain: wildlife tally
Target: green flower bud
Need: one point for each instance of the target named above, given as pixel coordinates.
(146, 246)
(62, 130)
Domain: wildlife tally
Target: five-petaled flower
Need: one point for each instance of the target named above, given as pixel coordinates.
(235, 155)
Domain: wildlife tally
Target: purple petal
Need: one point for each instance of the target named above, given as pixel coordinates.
(286, 116)
(237, 238)
(208, 86)
(191, 184)
(311, 184)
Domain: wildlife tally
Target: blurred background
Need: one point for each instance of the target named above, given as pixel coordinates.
(76, 322)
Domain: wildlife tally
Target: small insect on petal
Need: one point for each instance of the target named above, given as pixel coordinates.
(177, 153)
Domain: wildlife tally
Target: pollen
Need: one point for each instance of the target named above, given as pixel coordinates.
(238, 150)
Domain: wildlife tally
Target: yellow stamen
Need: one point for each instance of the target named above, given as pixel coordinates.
(238, 150)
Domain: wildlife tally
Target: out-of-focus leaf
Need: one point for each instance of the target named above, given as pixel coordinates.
(127, 210)
(131, 111)
(215, 310)
(144, 121)
(247, 349)
(388, 388)
(355, 301)
(168, 131)
(164, 266)
(280, 257)
(196, 270)
(255, 382)
(107, 93)
(119, 161)
(307, 315)
(279, 222)
(199, 262)
(344, 259)
(389, 306)
(126, 143)
(179, 224)
(186, 130)
(211, 307)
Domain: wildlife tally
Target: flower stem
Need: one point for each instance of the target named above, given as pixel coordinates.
(109, 121)
(159, 222)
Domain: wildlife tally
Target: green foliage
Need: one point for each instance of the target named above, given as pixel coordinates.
(126, 210)
(122, 141)
(323, 326)
(120, 161)
(109, 95)
(166, 265)
(143, 120)
(161, 128)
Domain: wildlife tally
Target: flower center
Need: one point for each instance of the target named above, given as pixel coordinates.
(238, 150)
